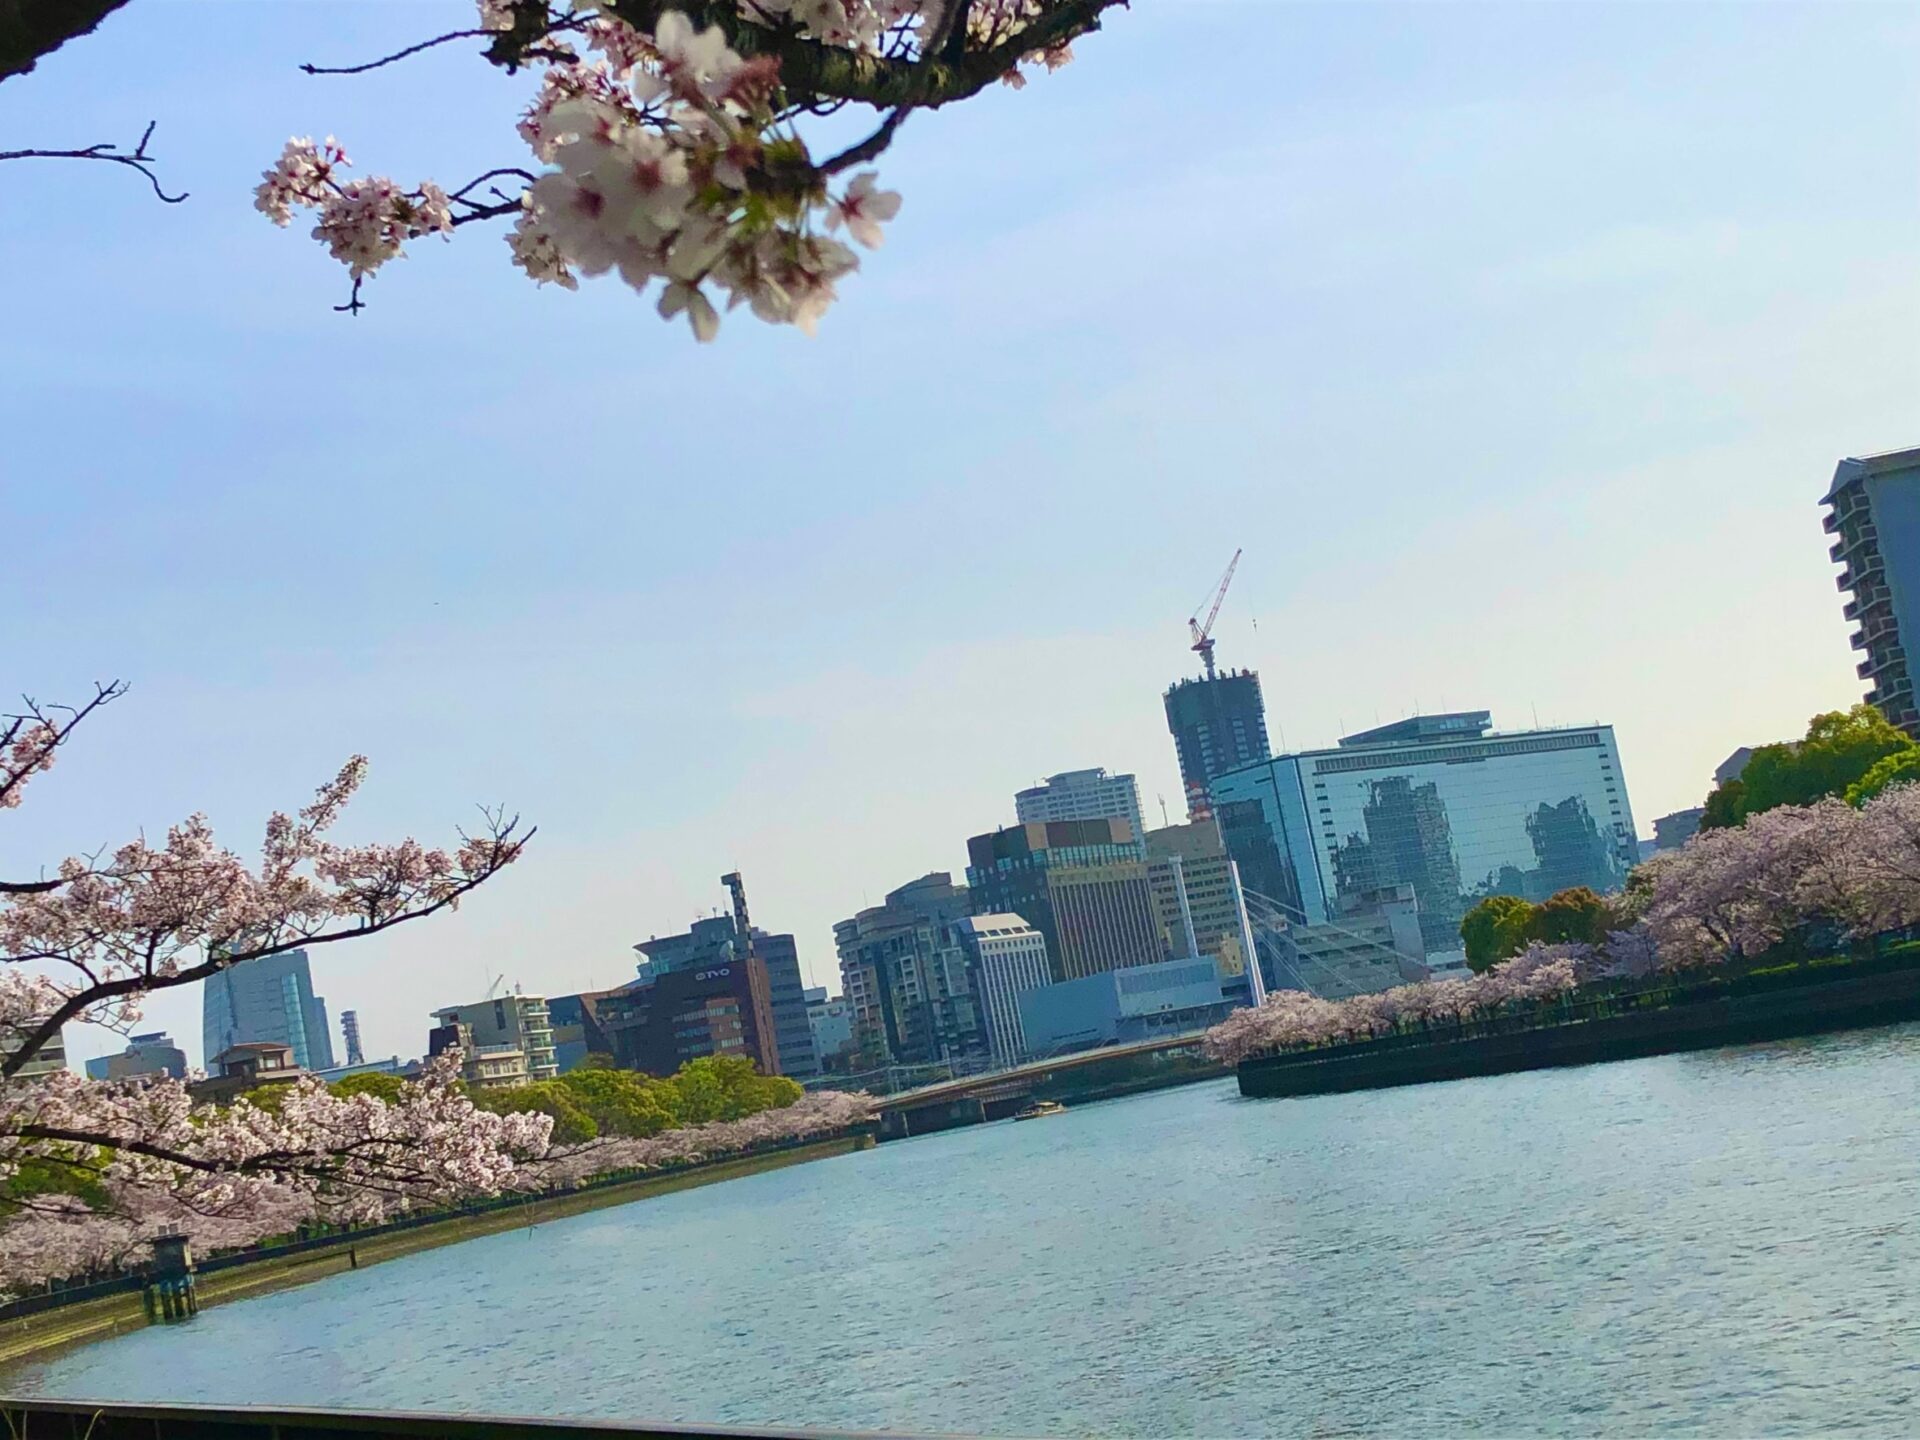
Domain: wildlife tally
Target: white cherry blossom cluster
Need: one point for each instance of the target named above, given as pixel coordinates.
(363, 223)
(669, 168)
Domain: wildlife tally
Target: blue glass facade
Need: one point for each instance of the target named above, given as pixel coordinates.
(1435, 803)
(270, 999)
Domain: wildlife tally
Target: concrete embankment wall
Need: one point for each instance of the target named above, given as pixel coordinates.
(1697, 1025)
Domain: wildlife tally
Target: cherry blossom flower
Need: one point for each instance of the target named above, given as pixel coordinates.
(862, 209)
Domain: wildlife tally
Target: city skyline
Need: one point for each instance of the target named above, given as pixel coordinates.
(1560, 444)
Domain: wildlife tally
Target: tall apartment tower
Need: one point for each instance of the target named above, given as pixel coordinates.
(269, 1000)
(350, 1032)
(1873, 511)
(1218, 724)
(1081, 795)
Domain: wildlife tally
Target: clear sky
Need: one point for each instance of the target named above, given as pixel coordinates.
(1516, 346)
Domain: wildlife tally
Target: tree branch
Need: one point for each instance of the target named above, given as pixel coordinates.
(509, 847)
(310, 69)
(138, 160)
(10, 779)
(830, 72)
(30, 29)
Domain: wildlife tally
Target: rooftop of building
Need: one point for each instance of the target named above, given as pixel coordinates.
(1860, 467)
(1190, 680)
(1418, 729)
(1408, 733)
(995, 924)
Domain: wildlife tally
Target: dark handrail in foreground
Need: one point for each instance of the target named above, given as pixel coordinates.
(115, 1420)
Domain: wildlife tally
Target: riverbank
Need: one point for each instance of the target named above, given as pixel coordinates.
(1791, 1004)
(35, 1336)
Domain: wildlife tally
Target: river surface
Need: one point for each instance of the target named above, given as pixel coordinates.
(1724, 1244)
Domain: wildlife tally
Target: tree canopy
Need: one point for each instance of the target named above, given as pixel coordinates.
(1838, 751)
(1501, 926)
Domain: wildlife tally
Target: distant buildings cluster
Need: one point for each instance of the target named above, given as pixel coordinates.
(1341, 870)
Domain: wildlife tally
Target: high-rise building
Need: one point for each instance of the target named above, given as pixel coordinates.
(715, 941)
(1873, 511)
(666, 1018)
(832, 1020)
(51, 1056)
(1219, 724)
(577, 1031)
(513, 1021)
(1193, 896)
(1006, 957)
(1374, 943)
(1081, 795)
(1081, 883)
(350, 1032)
(495, 1065)
(268, 1000)
(1436, 803)
(905, 977)
(151, 1054)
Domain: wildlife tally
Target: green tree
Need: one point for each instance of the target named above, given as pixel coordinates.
(624, 1103)
(68, 1170)
(1900, 768)
(1495, 929)
(1571, 915)
(1726, 806)
(727, 1087)
(571, 1123)
(1840, 747)
(384, 1088)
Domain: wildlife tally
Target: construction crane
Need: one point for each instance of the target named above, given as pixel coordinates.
(1203, 634)
(494, 988)
(742, 927)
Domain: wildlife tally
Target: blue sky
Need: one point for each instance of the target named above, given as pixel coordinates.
(1514, 344)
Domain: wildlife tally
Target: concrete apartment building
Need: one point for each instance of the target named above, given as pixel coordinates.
(508, 1022)
(1873, 513)
(905, 976)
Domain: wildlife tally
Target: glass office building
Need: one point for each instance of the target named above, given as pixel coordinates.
(1438, 803)
(269, 1000)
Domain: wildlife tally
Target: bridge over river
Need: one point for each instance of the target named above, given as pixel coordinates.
(1083, 1075)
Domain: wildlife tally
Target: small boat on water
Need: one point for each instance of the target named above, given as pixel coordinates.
(1039, 1108)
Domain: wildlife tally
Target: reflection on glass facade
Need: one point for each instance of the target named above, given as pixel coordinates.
(1435, 802)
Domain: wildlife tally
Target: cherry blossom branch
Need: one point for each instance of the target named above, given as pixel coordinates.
(869, 148)
(833, 72)
(139, 160)
(28, 742)
(451, 35)
(31, 29)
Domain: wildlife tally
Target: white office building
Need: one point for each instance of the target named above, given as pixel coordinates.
(1081, 795)
(1006, 957)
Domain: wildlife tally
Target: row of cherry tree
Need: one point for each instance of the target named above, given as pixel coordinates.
(1727, 894)
(89, 1171)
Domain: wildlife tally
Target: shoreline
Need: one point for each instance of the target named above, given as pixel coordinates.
(34, 1337)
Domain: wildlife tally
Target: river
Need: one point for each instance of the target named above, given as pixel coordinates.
(1724, 1243)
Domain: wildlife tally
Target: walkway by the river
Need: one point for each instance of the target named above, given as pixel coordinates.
(1724, 1243)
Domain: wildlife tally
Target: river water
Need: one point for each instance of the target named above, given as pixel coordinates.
(1725, 1243)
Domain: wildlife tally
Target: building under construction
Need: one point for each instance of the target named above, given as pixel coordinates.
(1218, 721)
